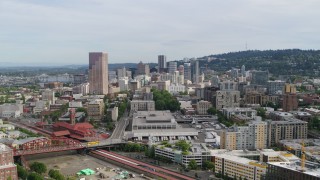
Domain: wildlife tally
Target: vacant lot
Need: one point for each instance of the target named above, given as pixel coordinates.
(69, 165)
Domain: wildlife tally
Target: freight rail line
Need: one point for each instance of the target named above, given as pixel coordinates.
(157, 171)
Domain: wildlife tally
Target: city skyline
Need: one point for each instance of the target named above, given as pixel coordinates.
(56, 32)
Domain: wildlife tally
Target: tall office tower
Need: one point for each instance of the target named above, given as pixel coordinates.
(162, 63)
(172, 67)
(260, 78)
(121, 72)
(290, 100)
(143, 69)
(243, 71)
(195, 71)
(98, 73)
(187, 71)
(181, 70)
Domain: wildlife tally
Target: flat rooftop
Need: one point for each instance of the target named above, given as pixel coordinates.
(146, 117)
(310, 167)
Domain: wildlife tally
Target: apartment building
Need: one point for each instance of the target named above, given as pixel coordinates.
(291, 128)
(252, 136)
(238, 167)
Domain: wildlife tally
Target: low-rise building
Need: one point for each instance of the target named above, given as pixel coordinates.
(7, 167)
(249, 112)
(203, 106)
(96, 109)
(157, 125)
(142, 105)
(198, 152)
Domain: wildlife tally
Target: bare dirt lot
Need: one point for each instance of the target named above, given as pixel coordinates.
(69, 165)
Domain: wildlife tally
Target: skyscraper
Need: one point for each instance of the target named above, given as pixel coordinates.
(243, 71)
(187, 71)
(172, 67)
(162, 63)
(98, 73)
(195, 72)
(289, 98)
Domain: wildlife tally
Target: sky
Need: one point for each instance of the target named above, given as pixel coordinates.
(49, 32)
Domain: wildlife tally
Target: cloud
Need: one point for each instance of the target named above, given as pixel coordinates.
(65, 31)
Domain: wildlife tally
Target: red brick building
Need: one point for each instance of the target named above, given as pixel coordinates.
(7, 166)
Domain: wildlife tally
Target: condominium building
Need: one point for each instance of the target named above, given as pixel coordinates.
(142, 105)
(274, 87)
(98, 73)
(244, 164)
(96, 110)
(289, 98)
(203, 106)
(252, 136)
(292, 170)
(226, 99)
(198, 152)
(238, 167)
(291, 128)
(7, 167)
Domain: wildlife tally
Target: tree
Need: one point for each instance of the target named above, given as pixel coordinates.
(261, 112)
(208, 165)
(82, 109)
(212, 111)
(193, 164)
(23, 98)
(9, 178)
(38, 167)
(55, 174)
(34, 176)
(22, 173)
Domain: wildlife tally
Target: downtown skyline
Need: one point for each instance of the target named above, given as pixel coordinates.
(63, 32)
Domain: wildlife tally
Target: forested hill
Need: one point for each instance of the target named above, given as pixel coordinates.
(278, 62)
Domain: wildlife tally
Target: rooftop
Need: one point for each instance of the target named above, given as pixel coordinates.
(311, 168)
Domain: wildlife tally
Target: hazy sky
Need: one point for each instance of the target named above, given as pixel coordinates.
(64, 31)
